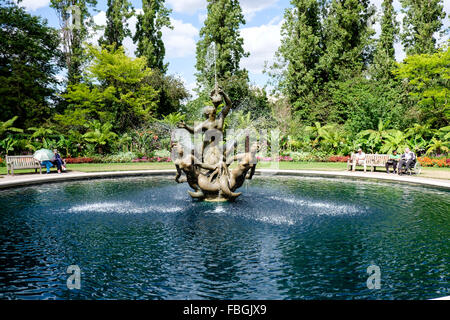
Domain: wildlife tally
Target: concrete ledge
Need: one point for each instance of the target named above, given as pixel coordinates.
(34, 179)
(359, 175)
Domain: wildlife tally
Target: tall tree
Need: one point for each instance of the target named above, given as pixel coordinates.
(423, 18)
(347, 37)
(74, 18)
(300, 51)
(384, 57)
(222, 27)
(28, 55)
(148, 36)
(117, 15)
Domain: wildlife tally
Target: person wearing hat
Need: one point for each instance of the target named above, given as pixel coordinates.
(359, 159)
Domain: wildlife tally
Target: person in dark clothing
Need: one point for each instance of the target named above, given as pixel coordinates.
(58, 161)
(407, 162)
(393, 161)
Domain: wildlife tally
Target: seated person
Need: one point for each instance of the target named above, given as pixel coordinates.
(407, 161)
(58, 161)
(47, 164)
(359, 159)
(393, 161)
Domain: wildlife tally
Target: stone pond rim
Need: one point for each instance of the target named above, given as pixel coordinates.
(28, 180)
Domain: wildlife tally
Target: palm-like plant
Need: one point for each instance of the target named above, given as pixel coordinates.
(124, 141)
(65, 144)
(444, 133)
(333, 138)
(41, 134)
(395, 140)
(99, 134)
(172, 119)
(437, 146)
(6, 126)
(375, 137)
(314, 131)
(7, 144)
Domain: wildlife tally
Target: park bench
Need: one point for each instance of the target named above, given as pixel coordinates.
(22, 162)
(372, 160)
(379, 160)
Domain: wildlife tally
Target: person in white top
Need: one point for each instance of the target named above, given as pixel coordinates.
(408, 160)
(359, 159)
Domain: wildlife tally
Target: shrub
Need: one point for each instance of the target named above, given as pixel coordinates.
(161, 153)
(153, 159)
(119, 157)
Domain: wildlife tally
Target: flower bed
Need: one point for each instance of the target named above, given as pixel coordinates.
(79, 160)
(430, 162)
(153, 159)
(338, 159)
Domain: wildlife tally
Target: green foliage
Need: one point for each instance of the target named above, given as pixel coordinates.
(99, 134)
(116, 89)
(438, 146)
(384, 56)
(395, 140)
(172, 119)
(375, 137)
(7, 126)
(422, 19)
(119, 11)
(120, 157)
(301, 48)
(7, 144)
(429, 78)
(171, 92)
(222, 27)
(360, 103)
(28, 54)
(148, 36)
(73, 35)
(347, 39)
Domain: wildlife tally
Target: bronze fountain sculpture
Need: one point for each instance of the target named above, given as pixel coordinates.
(208, 171)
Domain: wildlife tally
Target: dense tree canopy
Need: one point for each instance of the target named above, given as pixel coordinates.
(429, 78)
(28, 66)
(115, 88)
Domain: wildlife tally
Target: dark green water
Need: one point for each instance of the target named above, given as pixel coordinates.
(284, 238)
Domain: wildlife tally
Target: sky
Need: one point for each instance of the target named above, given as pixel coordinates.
(261, 33)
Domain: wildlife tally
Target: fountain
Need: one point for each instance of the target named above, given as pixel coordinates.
(208, 171)
(206, 167)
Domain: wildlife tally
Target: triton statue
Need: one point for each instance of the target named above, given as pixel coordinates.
(209, 174)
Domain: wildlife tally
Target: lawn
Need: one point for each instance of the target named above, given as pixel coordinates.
(430, 172)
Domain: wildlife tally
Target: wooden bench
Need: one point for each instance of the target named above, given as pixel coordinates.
(22, 162)
(372, 160)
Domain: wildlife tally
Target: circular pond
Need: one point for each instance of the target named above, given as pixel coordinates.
(284, 238)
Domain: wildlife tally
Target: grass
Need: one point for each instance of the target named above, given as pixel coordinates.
(429, 172)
